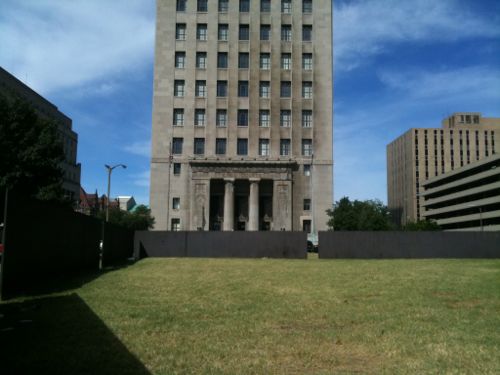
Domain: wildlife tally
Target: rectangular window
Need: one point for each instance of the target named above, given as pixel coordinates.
(307, 204)
(307, 118)
(176, 203)
(285, 118)
(179, 87)
(242, 117)
(243, 88)
(286, 32)
(286, 6)
(175, 225)
(264, 89)
(180, 60)
(242, 146)
(201, 60)
(244, 5)
(243, 60)
(284, 147)
(177, 146)
(265, 5)
(199, 146)
(264, 118)
(223, 31)
(286, 89)
(286, 61)
(201, 31)
(244, 32)
(307, 6)
(222, 60)
(307, 147)
(180, 31)
(199, 117)
(178, 117)
(220, 146)
(307, 31)
(201, 89)
(307, 90)
(265, 32)
(222, 88)
(221, 120)
(307, 61)
(307, 169)
(202, 6)
(264, 147)
(265, 61)
(177, 169)
(181, 6)
(223, 5)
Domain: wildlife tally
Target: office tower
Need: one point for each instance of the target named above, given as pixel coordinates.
(242, 116)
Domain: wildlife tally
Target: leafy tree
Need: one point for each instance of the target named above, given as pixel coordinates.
(359, 215)
(139, 219)
(422, 225)
(31, 151)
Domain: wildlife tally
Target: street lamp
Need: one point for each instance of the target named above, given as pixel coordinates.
(480, 215)
(110, 169)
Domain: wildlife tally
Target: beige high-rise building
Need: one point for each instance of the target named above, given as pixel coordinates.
(242, 115)
(424, 153)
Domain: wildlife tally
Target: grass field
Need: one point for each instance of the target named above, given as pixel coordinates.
(239, 316)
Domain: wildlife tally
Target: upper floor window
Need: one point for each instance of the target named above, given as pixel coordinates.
(201, 60)
(244, 33)
(178, 117)
(264, 118)
(177, 168)
(176, 203)
(286, 61)
(222, 60)
(222, 88)
(307, 90)
(265, 32)
(242, 117)
(199, 117)
(265, 5)
(307, 149)
(243, 88)
(201, 31)
(244, 5)
(307, 118)
(243, 58)
(265, 61)
(180, 31)
(307, 61)
(223, 5)
(179, 87)
(307, 31)
(286, 89)
(307, 204)
(181, 5)
(284, 147)
(180, 60)
(264, 89)
(177, 146)
(199, 146)
(307, 169)
(286, 6)
(201, 88)
(223, 31)
(202, 6)
(221, 118)
(220, 146)
(307, 6)
(286, 32)
(264, 147)
(175, 225)
(242, 146)
(285, 118)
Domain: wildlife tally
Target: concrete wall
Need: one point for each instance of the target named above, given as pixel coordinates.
(221, 244)
(408, 245)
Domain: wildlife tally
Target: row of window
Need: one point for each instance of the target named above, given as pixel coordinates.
(243, 32)
(244, 6)
(241, 146)
(242, 118)
(243, 89)
(176, 204)
(243, 60)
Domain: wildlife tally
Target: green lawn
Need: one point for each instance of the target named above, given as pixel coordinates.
(240, 316)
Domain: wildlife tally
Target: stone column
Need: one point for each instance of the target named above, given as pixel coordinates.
(228, 224)
(253, 204)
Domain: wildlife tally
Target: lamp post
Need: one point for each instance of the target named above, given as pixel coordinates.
(480, 214)
(110, 169)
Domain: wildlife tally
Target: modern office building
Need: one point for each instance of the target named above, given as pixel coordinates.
(424, 153)
(242, 115)
(466, 199)
(11, 86)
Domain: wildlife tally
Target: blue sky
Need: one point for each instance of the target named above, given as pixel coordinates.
(398, 64)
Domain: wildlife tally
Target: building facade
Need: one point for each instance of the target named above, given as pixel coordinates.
(466, 199)
(11, 86)
(424, 153)
(242, 115)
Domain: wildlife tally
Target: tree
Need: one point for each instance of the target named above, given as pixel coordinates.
(359, 215)
(422, 225)
(139, 219)
(31, 151)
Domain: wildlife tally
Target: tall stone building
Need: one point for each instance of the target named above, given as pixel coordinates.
(11, 86)
(424, 153)
(242, 115)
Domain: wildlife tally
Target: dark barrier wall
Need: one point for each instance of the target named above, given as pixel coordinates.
(409, 245)
(118, 244)
(44, 242)
(291, 245)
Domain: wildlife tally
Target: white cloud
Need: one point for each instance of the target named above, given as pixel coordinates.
(363, 29)
(142, 148)
(70, 44)
(141, 179)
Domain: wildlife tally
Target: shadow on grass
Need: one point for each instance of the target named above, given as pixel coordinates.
(60, 335)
